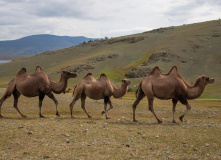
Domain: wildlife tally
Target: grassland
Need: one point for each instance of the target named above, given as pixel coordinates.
(194, 48)
(198, 137)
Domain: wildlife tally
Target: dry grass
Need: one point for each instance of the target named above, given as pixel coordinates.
(117, 138)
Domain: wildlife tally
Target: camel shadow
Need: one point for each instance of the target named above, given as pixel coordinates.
(144, 123)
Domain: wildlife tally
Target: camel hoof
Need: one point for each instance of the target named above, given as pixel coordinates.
(58, 114)
(72, 117)
(108, 118)
(1, 116)
(89, 117)
(181, 118)
(42, 116)
(24, 116)
(174, 121)
(135, 120)
(103, 112)
(159, 121)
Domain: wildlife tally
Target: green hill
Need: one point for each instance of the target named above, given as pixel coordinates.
(194, 48)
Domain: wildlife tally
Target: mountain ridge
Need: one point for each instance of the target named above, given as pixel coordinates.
(36, 44)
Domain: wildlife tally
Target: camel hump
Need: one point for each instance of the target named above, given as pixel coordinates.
(22, 71)
(173, 70)
(103, 75)
(89, 74)
(155, 70)
(38, 68)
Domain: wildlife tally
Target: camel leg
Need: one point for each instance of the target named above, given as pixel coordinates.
(139, 98)
(150, 102)
(1, 102)
(41, 97)
(188, 107)
(16, 95)
(56, 103)
(174, 109)
(72, 105)
(83, 97)
(111, 106)
(106, 99)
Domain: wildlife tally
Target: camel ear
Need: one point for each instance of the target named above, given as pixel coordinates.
(65, 71)
(203, 77)
(123, 80)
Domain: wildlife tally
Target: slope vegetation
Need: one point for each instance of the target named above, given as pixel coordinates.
(194, 48)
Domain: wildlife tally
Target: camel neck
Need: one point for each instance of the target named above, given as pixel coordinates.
(119, 92)
(60, 86)
(196, 90)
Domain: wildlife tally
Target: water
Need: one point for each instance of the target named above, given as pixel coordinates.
(5, 61)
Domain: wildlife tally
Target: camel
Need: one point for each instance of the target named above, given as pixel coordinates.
(37, 84)
(169, 86)
(101, 88)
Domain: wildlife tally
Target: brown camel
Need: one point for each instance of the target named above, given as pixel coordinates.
(169, 86)
(37, 84)
(101, 88)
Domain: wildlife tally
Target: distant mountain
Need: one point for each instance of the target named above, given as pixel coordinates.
(39, 43)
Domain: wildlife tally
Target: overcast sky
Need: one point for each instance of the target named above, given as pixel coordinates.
(99, 18)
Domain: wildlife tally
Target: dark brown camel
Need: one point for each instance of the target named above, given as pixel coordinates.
(101, 88)
(37, 84)
(169, 86)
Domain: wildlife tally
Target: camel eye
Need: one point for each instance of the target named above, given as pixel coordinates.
(207, 79)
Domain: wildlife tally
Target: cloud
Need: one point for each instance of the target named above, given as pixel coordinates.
(99, 18)
(192, 11)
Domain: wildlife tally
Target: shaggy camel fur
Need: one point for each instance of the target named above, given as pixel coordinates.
(101, 88)
(37, 84)
(169, 86)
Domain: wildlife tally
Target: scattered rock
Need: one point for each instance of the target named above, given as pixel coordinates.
(26, 153)
(195, 149)
(127, 145)
(185, 145)
(169, 157)
(30, 132)
(207, 145)
(67, 135)
(67, 140)
(45, 157)
(20, 127)
(82, 68)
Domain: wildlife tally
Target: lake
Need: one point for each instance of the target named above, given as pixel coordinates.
(5, 61)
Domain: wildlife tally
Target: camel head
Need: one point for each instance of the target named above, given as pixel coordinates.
(67, 74)
(38, 68)
(126, 81)
(206, 80)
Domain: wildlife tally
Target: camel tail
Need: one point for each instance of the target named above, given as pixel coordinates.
(74, 90)
(11, 87)
(139, 90)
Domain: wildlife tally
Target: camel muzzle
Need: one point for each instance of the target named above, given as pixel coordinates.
(212, 80)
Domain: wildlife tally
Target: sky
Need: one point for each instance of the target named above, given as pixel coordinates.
(99, 18)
